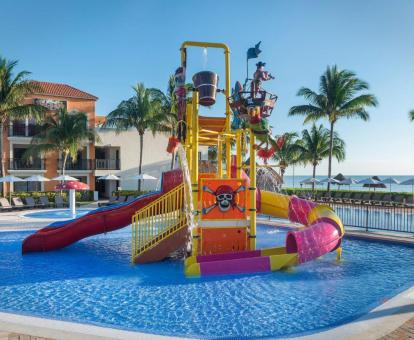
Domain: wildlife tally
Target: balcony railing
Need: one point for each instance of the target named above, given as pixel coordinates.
(33, 130)
(107, 164)
(19, 130)
(26, 164)
(79, 164)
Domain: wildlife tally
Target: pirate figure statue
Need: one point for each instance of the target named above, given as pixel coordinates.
(258, 77)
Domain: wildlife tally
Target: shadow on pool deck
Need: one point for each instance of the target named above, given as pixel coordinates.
(394, 310)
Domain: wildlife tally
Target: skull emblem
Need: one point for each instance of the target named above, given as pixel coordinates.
(224, 197)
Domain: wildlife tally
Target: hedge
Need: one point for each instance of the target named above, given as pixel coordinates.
(296, 191)
(81, 196)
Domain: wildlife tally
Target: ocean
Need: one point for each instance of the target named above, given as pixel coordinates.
(294, 182)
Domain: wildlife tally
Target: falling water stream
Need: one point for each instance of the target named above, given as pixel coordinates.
(188, 194)
(205, 58)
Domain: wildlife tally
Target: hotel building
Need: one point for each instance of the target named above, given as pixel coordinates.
(115, 154)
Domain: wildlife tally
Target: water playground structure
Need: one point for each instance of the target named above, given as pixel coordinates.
(212, 215)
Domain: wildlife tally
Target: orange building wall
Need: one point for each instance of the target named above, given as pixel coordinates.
(51, 159)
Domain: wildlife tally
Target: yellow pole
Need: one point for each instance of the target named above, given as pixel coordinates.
(226, 49)
(252, 192)
(194, 166)
(238, 153)
(228, 112)
(219, 157)
(189, 138)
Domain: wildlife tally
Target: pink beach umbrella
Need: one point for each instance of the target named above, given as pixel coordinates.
(72, 186)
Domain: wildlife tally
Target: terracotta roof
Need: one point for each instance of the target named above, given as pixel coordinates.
(100, 120)
(60, 90)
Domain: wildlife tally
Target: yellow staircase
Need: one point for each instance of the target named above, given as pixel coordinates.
(160, 224)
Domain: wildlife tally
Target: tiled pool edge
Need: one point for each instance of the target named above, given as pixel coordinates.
(379, 322)
(56, 329)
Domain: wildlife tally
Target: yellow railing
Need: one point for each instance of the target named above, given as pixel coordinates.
(157, 221)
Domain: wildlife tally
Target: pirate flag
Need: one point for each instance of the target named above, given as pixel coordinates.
(253, 52)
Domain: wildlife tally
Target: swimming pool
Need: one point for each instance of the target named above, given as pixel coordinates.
(57, 213)
(93, 282)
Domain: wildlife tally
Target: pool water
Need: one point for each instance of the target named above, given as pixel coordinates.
(93, 282)
(57, 213)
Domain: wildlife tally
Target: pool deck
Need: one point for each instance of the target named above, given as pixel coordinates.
(394, 319)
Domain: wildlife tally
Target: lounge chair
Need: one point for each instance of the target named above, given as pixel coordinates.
(337, 197)
(299, 194)
(357, 198)
(324, 196)
(318, 196)
(386, 200)
(18, 203)
(60, 202)
(112, 200)
(31, 203)
(376, 198)
(399, 200)
(346, 197)
(5, 205)
(44, 202)
(130, 198)
(366, 198)
(409, 201)
(121, 199)
(330, 197)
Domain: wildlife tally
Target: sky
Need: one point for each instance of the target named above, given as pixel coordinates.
(105, 47)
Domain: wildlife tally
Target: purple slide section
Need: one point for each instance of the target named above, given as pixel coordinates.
(236, 266)
(228, 256)
(322, 237)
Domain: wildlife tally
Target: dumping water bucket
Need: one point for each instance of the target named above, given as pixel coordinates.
(206, 84)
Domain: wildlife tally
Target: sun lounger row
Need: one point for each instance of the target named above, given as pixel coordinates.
(368, 198)
(32, 203)
(118, 199)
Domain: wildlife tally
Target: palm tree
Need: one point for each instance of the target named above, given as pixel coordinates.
(170, 112)
(64, 132)
(411, 115)
(288, 154)
(13, 90)
(144, 111)
(315, 146)
(339, 97)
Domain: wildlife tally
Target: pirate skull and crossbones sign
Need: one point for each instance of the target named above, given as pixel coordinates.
(225, 198)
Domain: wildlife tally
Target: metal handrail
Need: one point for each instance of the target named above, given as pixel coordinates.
(157, 221)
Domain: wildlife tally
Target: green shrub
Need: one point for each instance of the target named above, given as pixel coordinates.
(81, 196)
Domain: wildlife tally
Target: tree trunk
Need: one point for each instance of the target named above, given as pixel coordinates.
(65, 158)
(141, 145)
(330, 156)
(313, 176)
(3, 171)
(282, 172)
(172, 160)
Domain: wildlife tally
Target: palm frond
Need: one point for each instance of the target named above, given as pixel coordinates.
(411, 115)
(63, 132)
